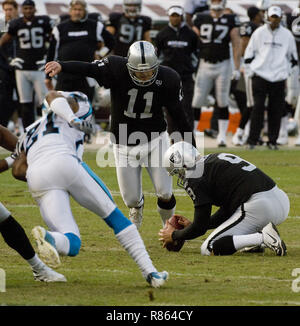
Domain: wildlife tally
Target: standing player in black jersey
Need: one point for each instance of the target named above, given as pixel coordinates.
(12, 232)
(129, 26)
(77, 38)
(246, 30)
(32, 32)
(140, 88)
(250, 204)
(216, 31)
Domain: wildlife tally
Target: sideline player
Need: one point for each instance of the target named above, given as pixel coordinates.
(140, 88)
(129, 26)
(250, 203)
(55, 171)
(216, 30)
(12, 232)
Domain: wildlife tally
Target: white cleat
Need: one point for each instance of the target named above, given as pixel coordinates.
(157, 279)
(282, 140)
(297, 143)
(272, 240)
(46, 250)
(46, 274)
(237, 140)
(136, 216)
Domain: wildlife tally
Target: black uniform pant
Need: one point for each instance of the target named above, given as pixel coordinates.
(276, 93)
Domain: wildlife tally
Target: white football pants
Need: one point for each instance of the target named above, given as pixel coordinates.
(261, 209)
(52, 182)
(209, 75)
(129, 162)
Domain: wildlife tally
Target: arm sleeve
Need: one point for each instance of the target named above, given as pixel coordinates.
(198, 227)
(217, 218)
(108, 39)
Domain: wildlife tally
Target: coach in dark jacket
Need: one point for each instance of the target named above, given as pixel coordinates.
(177, 46)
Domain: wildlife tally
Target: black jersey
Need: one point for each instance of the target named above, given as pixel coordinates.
(78, 40)
(176, 47)
(293, 24)
(31, 39)
(135, 108)
(227, 182)
(215, 36)
(247, 29)
(128, 30)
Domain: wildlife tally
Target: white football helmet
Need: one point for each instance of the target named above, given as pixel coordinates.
(217, 4)
(263, 4)
(179, 158)
(132, 8)
(142, 63)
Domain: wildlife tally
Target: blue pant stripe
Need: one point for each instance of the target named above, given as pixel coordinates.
(97, 179)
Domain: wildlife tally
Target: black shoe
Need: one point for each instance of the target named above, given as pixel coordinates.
(211, 133)
(250, 146)
(273, 147)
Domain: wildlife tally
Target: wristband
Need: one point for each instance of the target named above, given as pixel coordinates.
(9, 160)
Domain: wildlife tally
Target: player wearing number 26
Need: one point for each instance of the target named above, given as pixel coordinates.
(140, 88)
(250, 204)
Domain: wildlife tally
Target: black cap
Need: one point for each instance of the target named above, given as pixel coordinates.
(28, 3)
(252, 12)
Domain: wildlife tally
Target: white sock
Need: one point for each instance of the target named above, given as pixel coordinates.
(165, 214)
(35, 262)
(62, 243)
(283, 132)
(247, 240)
(223, 126)
(239, 132)
(196, 122)
(132, 242)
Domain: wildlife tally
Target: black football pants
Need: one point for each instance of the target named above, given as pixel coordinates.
(276, 94)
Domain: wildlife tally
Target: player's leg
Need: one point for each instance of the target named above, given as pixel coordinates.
(25, 90)
(90, 192)
(222, 89)
(129, 176)
(15, 237)
(38, 80)
(250, 224)
(162, 182)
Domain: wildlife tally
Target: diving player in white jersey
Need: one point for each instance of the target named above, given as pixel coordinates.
(55, 171)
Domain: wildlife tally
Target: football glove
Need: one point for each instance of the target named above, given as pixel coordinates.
(84, 126)
(17, 63)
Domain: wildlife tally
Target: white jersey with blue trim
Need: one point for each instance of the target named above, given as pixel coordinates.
(52, 135)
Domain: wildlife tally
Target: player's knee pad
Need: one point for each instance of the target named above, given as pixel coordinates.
(117, 221)
(223, 246)
(164, 203)
(75, 244)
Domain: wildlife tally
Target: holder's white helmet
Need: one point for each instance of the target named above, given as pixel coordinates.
(132, 8)
(180, 157)
(142, 63)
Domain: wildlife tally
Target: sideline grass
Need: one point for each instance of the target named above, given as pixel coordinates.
(103, 273)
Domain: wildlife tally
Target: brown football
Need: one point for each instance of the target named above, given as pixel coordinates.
(177, 244)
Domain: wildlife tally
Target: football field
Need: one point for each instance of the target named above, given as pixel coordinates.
(103, 274)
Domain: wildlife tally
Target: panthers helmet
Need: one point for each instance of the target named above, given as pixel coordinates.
(142, 63)
(219, 5)
(132, 8)
(181, 157)
(263, 4)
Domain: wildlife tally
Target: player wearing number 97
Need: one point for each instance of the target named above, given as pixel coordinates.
(216, 31)
(31, 32)
(129, 26)
(250, 204)
(140, 88)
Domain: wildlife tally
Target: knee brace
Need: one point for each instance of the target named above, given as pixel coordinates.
(224, 246)
(75, 244)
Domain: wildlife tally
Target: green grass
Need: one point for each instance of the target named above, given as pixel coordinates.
(104, 274)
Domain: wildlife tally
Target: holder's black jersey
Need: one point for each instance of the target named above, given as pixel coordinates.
(215, 36)
(227, 182)
(135, 108)
(128, 31)
(31, 39)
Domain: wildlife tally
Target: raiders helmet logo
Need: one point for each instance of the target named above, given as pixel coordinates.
(175, 158)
